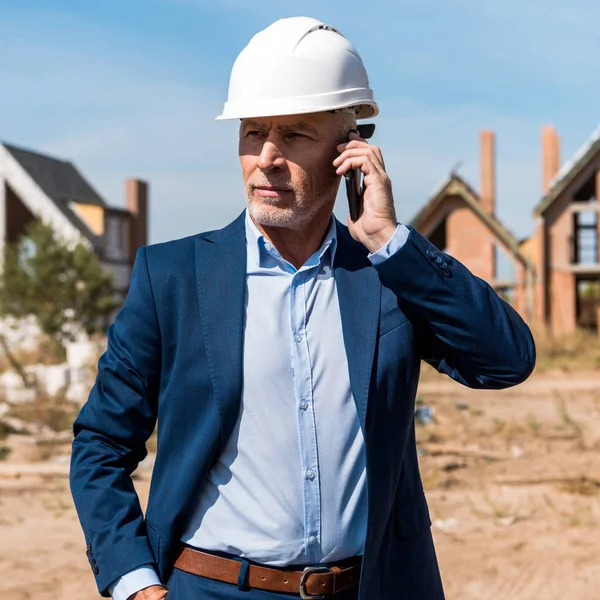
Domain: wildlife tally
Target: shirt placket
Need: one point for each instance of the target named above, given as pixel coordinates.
(303, 392)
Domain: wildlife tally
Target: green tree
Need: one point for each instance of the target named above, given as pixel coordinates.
(62, 285)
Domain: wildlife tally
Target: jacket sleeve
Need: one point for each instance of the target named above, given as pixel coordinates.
(110, 436)
(463, 328)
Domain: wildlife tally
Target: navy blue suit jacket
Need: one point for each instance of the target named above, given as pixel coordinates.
(175, 354)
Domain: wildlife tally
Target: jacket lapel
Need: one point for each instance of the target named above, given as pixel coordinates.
(359, 294)
(221, 281)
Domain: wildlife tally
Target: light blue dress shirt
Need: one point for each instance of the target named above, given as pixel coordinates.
(290, 485)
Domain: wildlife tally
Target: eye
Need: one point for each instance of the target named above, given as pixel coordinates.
(296, 135)
(254, 133)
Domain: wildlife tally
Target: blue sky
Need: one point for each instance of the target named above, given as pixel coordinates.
(131, 88)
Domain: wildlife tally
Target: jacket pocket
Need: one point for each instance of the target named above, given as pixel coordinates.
(412, 516)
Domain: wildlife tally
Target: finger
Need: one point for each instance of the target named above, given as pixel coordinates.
(365, 146)
(377, 168)
(355, 143)
(377, 151)
(353, 162)
(357, 162)
(375, 158)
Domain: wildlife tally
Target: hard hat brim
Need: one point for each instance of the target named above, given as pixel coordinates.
(368, 109)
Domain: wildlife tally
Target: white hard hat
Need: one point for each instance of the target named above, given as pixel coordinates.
(295, 66)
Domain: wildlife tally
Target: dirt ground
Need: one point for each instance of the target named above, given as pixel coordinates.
(512, 479)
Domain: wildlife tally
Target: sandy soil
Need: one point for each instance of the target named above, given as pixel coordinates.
(512, 479)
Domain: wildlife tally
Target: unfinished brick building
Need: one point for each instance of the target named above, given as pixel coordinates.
(36, 186)
(565, 247)
(464, 224)
(556, 279)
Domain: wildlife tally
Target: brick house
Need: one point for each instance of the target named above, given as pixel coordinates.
(463, 223)
(565, 246)
(37, 186)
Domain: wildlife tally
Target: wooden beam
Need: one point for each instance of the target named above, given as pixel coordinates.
(579, 207)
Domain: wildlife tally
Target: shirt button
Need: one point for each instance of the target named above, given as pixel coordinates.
(310, 474)
(304, 405)
(312, 539)
(268, 247)
(298, 337)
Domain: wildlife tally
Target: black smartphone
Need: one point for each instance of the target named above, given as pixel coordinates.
(353, 178)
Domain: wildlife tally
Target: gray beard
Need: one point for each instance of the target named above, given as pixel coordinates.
(295, 217)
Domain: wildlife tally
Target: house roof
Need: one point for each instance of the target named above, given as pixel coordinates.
(570, 170)
(59, 179)
(457, 186)
(62, 182)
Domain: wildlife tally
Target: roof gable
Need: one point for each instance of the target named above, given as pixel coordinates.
(570, 170)
(60, 180)
(455, 185)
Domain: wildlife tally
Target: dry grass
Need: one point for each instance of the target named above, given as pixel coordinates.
(580, 487)
(500, 510)
(56, 412)
(577, 351)
(47, 352)
(567, 422)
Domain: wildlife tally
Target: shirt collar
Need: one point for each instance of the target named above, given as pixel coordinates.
(260, 249)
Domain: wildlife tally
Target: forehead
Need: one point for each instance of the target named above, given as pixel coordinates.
(313, 122)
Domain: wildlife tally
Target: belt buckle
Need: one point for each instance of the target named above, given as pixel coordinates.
(308, 571)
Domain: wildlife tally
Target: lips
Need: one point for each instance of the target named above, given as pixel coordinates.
(268, 191)
(269, 188)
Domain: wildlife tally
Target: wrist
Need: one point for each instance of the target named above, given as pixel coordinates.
(153, 592)
(377, 240)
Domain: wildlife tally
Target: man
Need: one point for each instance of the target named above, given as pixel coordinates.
(280, 356)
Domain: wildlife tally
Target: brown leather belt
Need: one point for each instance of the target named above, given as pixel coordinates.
(311, 583)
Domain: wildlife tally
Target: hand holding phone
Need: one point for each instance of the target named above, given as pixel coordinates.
(353, 178)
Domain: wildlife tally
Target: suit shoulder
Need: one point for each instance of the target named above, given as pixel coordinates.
(166, 259)
(174, 249)
(171, 247)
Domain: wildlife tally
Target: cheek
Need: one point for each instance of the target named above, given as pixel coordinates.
(323, 175)
(248, 164)
(298, 176)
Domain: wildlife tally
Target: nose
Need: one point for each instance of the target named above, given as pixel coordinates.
(270, 157)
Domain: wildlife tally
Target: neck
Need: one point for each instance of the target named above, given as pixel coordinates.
(298, 245)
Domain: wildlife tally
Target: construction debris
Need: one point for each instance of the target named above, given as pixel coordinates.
(464, 451)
